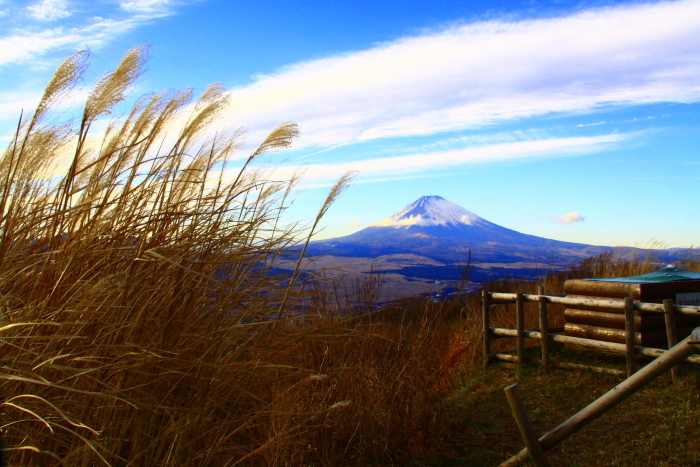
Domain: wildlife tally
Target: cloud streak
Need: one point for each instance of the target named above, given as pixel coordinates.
(49, 10)
(458, 78)
(384, 168)
(33, 40)
(484, 73)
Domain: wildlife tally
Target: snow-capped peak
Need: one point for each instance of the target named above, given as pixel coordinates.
(430, 211)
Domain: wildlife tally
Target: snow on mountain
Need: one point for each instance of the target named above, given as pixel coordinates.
(430, 211)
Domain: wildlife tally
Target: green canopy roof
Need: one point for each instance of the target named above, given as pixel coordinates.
(665, 274)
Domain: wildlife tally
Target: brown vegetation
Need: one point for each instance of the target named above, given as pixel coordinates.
(137, 294)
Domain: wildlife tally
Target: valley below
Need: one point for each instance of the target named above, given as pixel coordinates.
(404, 275)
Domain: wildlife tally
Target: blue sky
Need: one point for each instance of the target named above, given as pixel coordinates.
(573, 120)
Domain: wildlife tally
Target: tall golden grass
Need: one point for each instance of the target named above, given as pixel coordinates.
(141, 319)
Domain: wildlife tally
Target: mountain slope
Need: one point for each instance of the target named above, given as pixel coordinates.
(434, 227)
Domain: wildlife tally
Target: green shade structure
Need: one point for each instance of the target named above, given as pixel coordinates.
(666, 274)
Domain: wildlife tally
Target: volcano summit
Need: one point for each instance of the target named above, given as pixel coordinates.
(431, 211)
(423, 248)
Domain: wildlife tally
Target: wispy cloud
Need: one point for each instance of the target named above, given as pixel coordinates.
(49, 10)
(33, 39)
(570, 218)
(461, 77)
(487, 72)
(148, 7)
(386, 168)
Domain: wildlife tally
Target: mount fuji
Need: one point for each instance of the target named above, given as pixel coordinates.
(436, 228)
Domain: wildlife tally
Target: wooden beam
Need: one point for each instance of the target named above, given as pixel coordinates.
(613, 304)
(594, 344)
(527, 430)
(506, 357)
(630, 336)
(671, 333)
(486, 334)
(529, 333)
(520, 326)
(544, 330)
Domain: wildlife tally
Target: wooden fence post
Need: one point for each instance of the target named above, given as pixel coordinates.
(2, 452)
(544, 329)
(630, 336)
(527, 430)
(671, 332)
(486, 335)
(520, 326)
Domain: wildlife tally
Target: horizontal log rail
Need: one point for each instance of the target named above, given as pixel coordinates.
(601, 345)
(502, 298)
(508, 358)
(664, 359)
(547, 334)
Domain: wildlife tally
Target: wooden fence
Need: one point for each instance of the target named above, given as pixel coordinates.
(546, 334)
(535, 447)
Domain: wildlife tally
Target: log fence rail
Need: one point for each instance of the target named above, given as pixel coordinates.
(665, 360)
(546, 334)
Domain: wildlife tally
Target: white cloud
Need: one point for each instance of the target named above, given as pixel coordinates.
(49, 10)
(150, 7)
(27, 44)
(570, 218)
(462, 77)
(399, 167)
(582, 125)
(484, 73)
